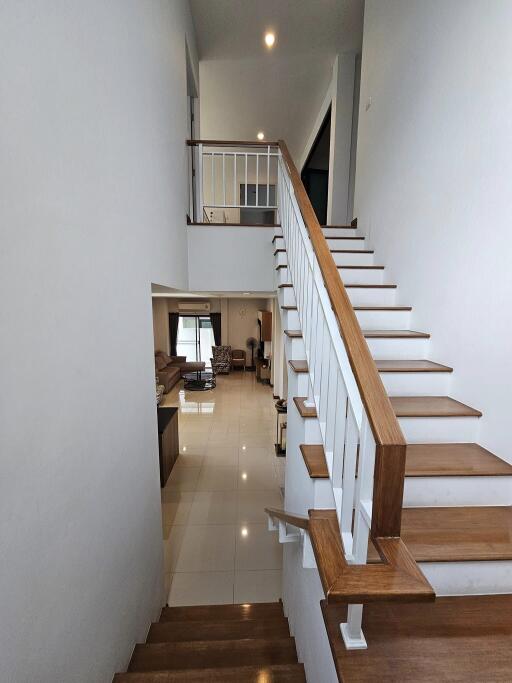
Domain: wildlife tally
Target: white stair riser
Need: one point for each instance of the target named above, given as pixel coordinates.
(286, 296)
(341, 232)
(295, 348)
(384, 320)
(312, 432)
(280, 259)
(282, 276)
(290, 320)
(439, 429)
(279, 243)
(393, 349)
(367, 276)
(346, 244)
(278, 232)
(353, 259)
(453, 491)
(298, 383)
(469, 578)
(324, 498)
(367, 296)
(416, 383)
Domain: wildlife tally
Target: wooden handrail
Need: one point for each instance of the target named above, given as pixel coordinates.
(395, 578)
(300, 521)
(232, 143)
(390, 443)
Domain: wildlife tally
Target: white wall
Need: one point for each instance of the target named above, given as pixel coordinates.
(93, 198)
(434, 166)
(232, 259)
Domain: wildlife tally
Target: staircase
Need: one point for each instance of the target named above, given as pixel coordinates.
(397, 524)
(456, 521)
(247, 643)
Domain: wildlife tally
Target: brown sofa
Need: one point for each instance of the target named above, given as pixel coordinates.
(170, 369)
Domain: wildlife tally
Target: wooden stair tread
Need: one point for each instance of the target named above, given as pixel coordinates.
(363, 286)
(352, 251)
(293, 334)
(411, 366)
(289, 308)
(395, 334)
(299, 366)
(285, 285)
(231, 629)
(343, 237)
(462, 639)
(382, 308)
(361, 268)
(453, 459)
(431, 406)
(213, 654)
(340, 227)
(314, 457)
(280, 266)
(273, 673)
(257, 610)
(304, 411)
(457, 534)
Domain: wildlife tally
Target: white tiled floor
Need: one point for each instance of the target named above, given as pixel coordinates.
(217, 548)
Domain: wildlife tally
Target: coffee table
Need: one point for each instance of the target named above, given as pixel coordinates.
(201, 380)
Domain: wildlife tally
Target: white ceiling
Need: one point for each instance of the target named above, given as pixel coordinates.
(244, 87)
(233, 29)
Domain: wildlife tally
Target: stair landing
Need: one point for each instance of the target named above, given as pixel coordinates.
(455, 640)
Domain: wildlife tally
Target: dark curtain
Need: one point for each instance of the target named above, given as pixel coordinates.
(216, 327)
(174, 319)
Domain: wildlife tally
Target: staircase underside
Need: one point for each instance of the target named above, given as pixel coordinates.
(455, 640)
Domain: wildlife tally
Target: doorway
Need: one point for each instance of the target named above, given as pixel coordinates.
(315, 173)
(195, 338)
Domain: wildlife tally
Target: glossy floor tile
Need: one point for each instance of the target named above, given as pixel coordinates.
(217, 547)
(258, 586)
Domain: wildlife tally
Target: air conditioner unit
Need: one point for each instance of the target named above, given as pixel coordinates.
(194, 306)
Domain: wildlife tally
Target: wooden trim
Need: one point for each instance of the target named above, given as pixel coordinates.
(390, 453)
(232, 143)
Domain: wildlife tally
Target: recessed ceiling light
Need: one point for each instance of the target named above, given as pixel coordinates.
(245, 531)
(261, 135)
(244, 475)
(270, 39)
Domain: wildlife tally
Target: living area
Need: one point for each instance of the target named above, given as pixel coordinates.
(198, 339)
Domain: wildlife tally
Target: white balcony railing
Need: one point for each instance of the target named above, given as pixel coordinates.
(234, 182)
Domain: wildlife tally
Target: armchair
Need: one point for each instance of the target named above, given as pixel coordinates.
(221, 361)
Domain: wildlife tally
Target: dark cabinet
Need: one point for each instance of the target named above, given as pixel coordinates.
(168, 441)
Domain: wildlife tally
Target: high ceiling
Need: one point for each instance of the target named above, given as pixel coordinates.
(233, 29)
(246, 88)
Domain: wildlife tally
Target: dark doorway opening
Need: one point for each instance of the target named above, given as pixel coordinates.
(315, 173)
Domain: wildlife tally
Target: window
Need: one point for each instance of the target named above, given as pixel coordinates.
(195, 338)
